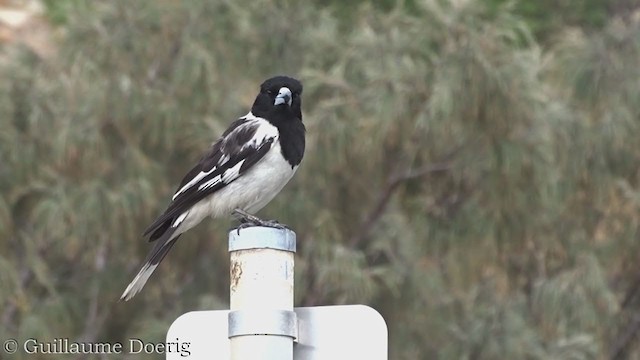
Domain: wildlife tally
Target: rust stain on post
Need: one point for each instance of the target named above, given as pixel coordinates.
(236, 272)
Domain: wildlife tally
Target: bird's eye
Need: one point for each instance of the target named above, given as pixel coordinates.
(270, 92)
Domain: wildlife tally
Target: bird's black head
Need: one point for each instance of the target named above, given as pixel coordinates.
(279, 98)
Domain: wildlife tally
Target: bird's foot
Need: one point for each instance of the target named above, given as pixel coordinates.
(249, 220)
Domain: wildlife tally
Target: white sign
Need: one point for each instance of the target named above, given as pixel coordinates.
(324, 333)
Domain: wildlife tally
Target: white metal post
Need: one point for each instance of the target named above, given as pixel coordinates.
(262, 324)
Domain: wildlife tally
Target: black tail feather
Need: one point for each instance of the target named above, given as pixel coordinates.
(159, 251)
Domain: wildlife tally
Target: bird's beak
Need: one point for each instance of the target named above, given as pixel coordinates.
(284, 97)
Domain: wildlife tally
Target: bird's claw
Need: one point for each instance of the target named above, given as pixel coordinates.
(248, 220)
(243, 226)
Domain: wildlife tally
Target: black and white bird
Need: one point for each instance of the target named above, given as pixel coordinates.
(239, 174)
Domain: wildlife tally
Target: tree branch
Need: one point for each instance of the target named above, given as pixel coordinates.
(619, 349)
(385, 195)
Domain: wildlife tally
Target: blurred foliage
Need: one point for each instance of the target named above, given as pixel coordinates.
(547, 18)
(58, 10)
(480, 190)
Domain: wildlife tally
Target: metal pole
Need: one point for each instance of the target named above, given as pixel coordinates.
(262, 324)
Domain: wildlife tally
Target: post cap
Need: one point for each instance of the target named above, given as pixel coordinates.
(262, 237)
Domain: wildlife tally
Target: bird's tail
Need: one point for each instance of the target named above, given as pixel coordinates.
(159, 251)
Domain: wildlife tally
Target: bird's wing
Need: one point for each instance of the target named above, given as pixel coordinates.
(246, 141)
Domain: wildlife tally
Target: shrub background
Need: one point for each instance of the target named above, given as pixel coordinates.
(471, 172)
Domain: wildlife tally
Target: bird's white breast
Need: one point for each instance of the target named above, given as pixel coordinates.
(255, 188)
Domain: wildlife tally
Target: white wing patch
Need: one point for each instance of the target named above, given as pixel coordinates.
(264, 130)
(232, 173)
(193, 182)
(211, 182)
(250, 116)
(228, 176)
(180, 219)
(262, 134)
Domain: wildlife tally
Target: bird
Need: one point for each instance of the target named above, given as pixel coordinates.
(238, 175)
